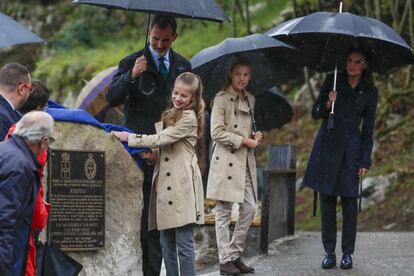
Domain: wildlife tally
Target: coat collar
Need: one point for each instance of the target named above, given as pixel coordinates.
(243, 105)
(21, 144)
(7, 105)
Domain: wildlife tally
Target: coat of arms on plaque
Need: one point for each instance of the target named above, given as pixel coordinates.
(65, 166)
(90, 167)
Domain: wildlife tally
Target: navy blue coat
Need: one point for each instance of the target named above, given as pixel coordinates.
(339, 153)
(143, 111)
(8, 117)
(19, 185)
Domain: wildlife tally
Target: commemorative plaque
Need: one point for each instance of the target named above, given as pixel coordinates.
(76, 190)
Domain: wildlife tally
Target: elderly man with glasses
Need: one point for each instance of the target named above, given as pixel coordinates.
(19, 186)
(15, 88)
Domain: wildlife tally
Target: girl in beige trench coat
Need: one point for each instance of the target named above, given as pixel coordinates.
(177, 196)
(232, 176)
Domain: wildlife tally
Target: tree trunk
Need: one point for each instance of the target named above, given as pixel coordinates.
(248, 25)
(404, 15)
(367, 7)
(307, 80)
(377, 9)
(295, 7)
(410, 20)
(233, 18)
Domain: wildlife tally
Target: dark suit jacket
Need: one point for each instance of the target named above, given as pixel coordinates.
(142, 111)
(337, 154)
(19, 185)
(8, 117)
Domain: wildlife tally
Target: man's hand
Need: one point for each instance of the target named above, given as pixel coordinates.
(139, 67)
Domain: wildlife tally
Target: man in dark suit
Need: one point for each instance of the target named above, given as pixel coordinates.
(15, 88)
(143, 83)
(19, 186)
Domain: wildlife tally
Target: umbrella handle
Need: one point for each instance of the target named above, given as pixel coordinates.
(332, 108)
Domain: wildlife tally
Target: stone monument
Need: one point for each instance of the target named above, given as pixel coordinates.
(119, 249)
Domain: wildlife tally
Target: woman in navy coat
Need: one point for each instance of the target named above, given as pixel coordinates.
(342, 154)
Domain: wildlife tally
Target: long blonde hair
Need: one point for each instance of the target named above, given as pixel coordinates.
(171, 115)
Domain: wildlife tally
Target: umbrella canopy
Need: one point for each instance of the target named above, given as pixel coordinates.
(270, 59)
(92, 98)
(325, 38)
(13, 33)
(197, 9)
(272, 110)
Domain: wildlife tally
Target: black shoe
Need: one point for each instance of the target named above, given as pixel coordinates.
(329, 261)
(242, 266)
(229, 269)
(346, 262)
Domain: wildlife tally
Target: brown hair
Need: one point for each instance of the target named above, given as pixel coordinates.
(38, 98)
(164, 21)
(12, 74)
(237, 61)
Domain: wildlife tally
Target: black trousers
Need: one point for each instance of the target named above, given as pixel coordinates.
(328, 223)
(150, 240)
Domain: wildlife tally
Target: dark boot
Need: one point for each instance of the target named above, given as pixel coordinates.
(329, 261)
(242, 266)
(229, 269)
(346, 262)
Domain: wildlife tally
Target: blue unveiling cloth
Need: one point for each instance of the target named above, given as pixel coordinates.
(63, 114)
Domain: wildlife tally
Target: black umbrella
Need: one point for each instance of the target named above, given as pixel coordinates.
(197, 9)
(325, 39)
(271, 61)
(13, 33)
(272, 110)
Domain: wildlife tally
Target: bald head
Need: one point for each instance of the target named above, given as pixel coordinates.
(34, 126)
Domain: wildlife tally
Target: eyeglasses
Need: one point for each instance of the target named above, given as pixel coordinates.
(28, 86)
(51, 140)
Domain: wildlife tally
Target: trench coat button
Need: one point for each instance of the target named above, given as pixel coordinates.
(231, 99)
(168, 173)
(231, 164)
(170, 202)
(217, 158)
(235, 126)
(232, 151)
(138, 136)
(229, 177)
(166, 159)
(235, 113)
(169, 188)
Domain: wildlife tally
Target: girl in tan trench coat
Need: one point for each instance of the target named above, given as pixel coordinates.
(177, 196)
(232, 176)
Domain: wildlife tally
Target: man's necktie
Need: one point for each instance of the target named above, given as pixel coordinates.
(162, 68)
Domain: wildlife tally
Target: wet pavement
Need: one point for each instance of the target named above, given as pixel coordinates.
(376, 253)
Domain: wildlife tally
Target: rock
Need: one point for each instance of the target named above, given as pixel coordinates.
(375, 188)
(123, 206)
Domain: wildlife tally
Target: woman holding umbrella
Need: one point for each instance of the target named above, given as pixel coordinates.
(342, 154)
(232, 176)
